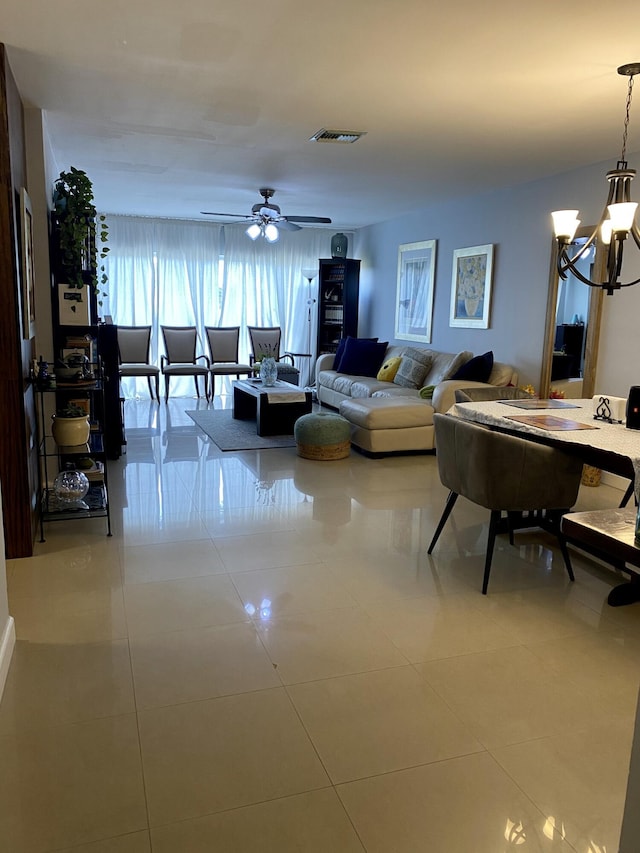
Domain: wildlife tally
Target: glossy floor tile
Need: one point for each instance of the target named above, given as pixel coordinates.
(263, 656)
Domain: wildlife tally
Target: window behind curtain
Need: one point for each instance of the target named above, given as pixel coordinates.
(186, 273)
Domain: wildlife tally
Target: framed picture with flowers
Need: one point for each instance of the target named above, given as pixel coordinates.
(471, 287)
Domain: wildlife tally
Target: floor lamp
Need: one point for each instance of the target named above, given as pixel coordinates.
(309, 274)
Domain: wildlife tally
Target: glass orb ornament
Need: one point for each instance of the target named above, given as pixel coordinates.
(70, 487)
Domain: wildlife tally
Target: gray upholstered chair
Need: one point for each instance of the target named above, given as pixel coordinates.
(180, 358)
(133, 352)
(223, 351)
(505, 473)
(265, 340)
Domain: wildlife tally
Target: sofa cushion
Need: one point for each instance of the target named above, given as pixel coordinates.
(361, 357)
(501, 374)
(414, 366)
(389, 369)
(477, 369)
(387, 413)
(444, 365)
(342, 343)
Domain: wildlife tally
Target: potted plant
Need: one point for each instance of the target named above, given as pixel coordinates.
(70, 426)
(80, 230)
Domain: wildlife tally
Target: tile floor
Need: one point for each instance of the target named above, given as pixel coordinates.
(263, 657)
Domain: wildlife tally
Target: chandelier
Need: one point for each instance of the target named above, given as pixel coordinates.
(616, 222)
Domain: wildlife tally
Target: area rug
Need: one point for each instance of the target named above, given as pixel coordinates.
(230, 434)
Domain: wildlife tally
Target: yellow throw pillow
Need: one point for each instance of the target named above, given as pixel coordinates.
(389, 369)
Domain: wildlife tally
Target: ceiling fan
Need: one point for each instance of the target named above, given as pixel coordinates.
(265, 218)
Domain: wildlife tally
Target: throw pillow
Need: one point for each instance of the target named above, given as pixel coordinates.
(413, 368)
(362, 357)
(337, 361)
(477, 370)
(389, 369)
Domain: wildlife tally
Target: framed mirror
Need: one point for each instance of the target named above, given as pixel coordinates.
(414, 291)
(572, 327)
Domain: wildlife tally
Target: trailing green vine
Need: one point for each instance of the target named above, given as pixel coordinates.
(82, 233)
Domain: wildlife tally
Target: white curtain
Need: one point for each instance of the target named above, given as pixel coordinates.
(263, 285)
(187, 273)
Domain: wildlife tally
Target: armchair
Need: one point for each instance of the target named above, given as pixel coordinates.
(180, 358)
(133, 354)
(505, 473)
(265, 341)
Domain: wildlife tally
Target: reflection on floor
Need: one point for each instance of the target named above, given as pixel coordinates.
(265, 658)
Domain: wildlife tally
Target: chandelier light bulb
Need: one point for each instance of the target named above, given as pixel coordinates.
(565, 224)
(621, 216)
(253, 231)
(271, 233)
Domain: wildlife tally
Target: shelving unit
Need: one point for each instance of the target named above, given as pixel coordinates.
(54, 458)
(337, 301)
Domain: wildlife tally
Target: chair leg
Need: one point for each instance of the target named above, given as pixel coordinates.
(496, 515)
(150, 387)
(195, 379)
(453, 497)
(627, 495)
(166, 389)
(157, 387)
(213, 385)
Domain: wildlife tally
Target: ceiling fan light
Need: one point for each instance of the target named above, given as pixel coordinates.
(271, 233)
(621, 215)
(565, 224)
(253, 231)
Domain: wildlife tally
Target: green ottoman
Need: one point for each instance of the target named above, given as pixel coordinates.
(322, 435)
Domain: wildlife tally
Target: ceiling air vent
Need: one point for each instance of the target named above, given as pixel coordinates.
(343, 136)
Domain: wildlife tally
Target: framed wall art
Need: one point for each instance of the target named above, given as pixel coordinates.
(28, 276)
(414, 291)
(73, 305)
(471, 286)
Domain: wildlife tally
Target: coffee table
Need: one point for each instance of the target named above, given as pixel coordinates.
(274, 408)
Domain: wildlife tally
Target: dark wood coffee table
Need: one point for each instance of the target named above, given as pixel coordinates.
(268, 406)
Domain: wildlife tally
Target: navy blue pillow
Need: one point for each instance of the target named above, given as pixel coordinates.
(477, 370)
(362, 357)
(340, 351)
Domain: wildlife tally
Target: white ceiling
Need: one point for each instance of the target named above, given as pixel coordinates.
(177, 107)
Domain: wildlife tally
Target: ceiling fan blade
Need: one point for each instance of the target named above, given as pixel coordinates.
(234, 215)
(288, 226)
(324, 219)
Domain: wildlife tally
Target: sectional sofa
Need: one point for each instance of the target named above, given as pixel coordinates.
(386, 416)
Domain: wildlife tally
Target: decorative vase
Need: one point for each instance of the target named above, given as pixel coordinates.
(471, 306)
(70, 432)
(268, 371)
(339, 245)
(70, 486)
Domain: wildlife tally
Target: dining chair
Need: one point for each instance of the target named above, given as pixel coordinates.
(134, 344)
(265, 341)
(180, 357)
(532, 483)
(223, 351)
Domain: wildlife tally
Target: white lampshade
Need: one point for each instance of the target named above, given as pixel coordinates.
(606, 231)
(253, 231)
(271, 233)
(310, 274)
(565, 223)
(621, 215)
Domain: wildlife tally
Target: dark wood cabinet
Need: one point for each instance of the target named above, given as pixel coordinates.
(337, 302)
